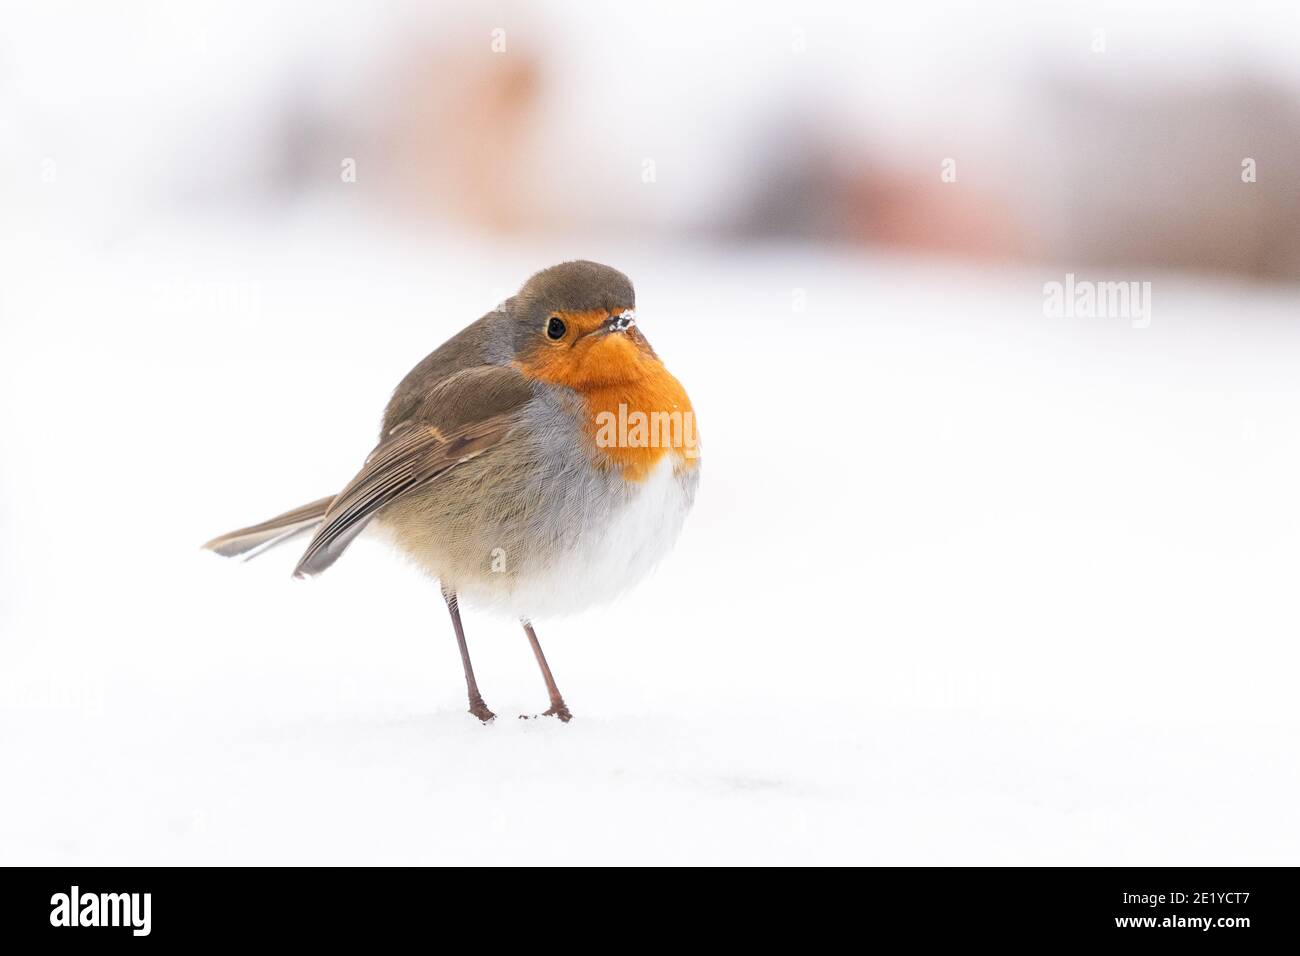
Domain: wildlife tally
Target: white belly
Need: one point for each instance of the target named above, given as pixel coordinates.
(616, 551)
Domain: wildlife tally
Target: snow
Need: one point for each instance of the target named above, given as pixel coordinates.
(964, 584)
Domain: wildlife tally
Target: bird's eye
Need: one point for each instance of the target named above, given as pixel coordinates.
(556, 328)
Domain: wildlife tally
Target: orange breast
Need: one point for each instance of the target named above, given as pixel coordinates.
(636, 411)
(635, 424)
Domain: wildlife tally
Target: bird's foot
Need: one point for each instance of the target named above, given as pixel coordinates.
(559, 709)
(480, 710)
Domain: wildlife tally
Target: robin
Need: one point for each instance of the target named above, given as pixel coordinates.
(540, 461)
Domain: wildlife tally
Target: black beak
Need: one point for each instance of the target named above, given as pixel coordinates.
(619, 323)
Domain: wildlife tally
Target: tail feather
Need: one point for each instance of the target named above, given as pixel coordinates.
(269, 533)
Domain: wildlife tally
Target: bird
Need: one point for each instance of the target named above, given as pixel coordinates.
(537, 463)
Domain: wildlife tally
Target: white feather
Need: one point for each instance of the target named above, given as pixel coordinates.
(602, 563)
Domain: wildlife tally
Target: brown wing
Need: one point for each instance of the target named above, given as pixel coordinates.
(460, 418)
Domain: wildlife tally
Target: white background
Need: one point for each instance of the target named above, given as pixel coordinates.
(964, 583)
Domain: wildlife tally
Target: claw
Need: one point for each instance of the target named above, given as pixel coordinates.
(560, 711)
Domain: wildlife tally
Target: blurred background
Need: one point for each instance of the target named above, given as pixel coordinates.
(969, 580)
(1104, 133)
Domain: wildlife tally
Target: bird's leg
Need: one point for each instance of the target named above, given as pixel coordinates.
(476, 705)
(558, 707)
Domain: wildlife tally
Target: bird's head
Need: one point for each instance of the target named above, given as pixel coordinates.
(573, 325)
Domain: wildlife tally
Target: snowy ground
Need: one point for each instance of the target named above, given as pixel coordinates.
(964, 584)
